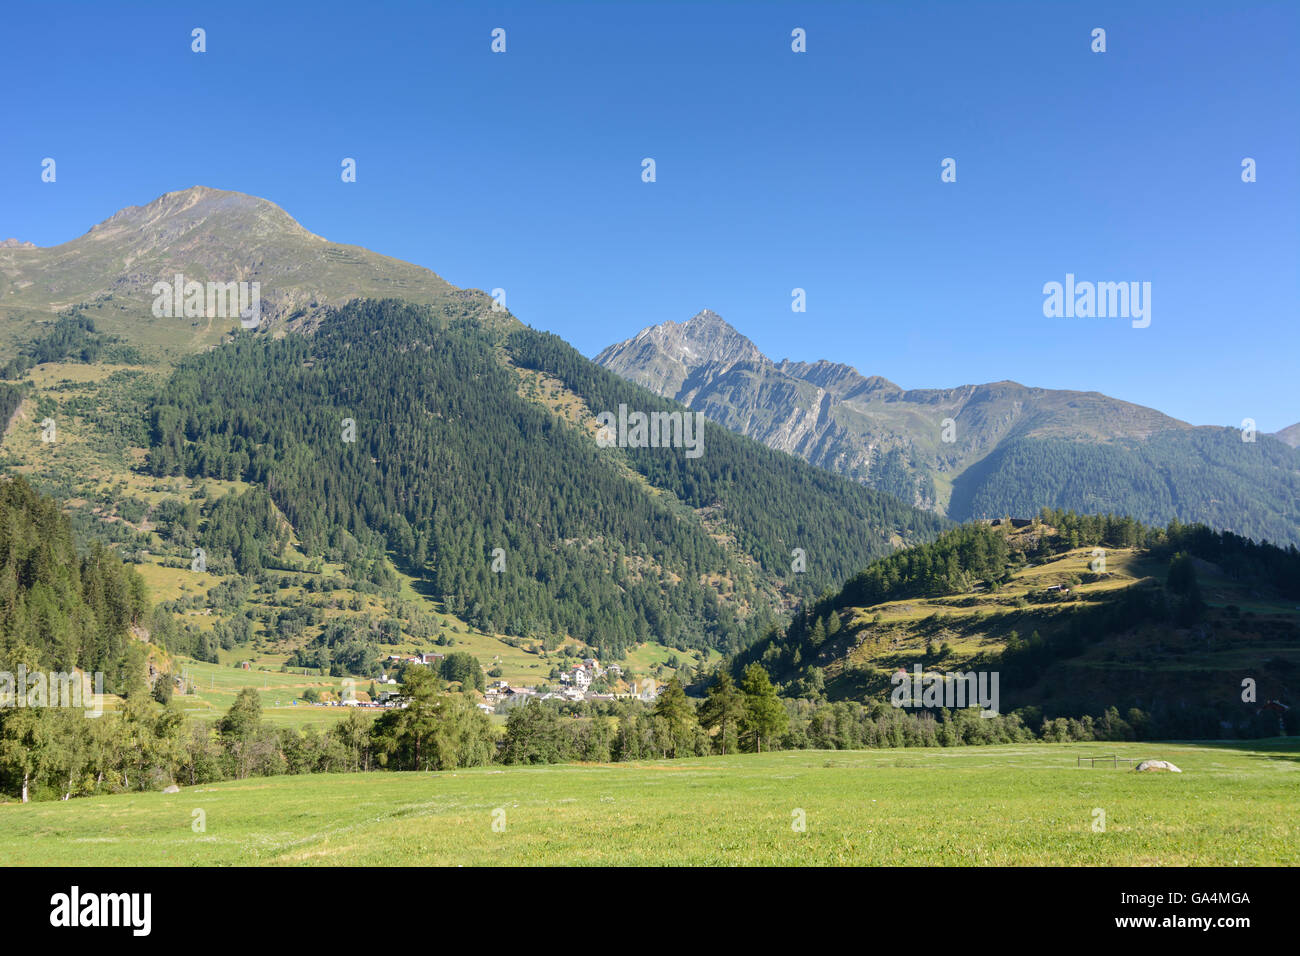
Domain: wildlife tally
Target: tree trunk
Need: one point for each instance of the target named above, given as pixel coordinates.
(24, 786)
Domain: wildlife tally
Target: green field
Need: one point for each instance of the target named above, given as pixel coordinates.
(218, 685)
(1012, 805)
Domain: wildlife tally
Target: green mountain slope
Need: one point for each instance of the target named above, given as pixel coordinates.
(1076, 615)
(61, 610)
(1209, 474)
(454, 458)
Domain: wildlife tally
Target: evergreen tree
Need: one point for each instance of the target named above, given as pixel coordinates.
(723, 709)
(764, 715)
(676, 710)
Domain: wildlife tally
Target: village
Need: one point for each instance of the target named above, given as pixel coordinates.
(573, 685)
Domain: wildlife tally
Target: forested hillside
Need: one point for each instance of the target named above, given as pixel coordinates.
(59, 609)
(770, 500)
(450, 462)
(1077, 613)
(1209, 475)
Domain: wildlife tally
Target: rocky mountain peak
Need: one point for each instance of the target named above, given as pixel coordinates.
(703, 339)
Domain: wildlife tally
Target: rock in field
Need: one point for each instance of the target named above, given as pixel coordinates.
(1157, 765)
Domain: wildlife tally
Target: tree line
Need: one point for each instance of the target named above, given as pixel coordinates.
(56, 753)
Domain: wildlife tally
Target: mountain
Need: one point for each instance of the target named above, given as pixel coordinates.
(1290, 435)
(418, 443)
(206, 235)
(976, 450)
(474, 454)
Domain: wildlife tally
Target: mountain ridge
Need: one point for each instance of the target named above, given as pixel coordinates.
(477, 432)
(963, 449)
(205, 234)
(1290, 435)
(969, 451)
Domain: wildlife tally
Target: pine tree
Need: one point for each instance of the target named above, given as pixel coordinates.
(764, 714)
(723, 709)
(677, 712)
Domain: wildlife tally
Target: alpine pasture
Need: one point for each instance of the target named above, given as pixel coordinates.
(1234, 804)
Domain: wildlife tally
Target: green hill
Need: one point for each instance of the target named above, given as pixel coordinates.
(1078, 615)
(1208, 475)
(62, 610)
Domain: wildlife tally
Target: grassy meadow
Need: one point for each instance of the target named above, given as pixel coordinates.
(1234, 805)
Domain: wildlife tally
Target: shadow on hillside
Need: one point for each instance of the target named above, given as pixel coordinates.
(1265, 747)
(424, 587)
(966, 485)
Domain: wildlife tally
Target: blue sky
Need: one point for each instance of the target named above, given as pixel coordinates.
(775, 170)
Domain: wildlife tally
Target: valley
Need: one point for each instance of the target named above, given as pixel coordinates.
(616, 435)
(369, 521)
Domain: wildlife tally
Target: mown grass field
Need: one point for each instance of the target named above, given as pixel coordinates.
(217, 687)
(1010, 805)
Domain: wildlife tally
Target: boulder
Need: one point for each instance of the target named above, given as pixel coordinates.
(172, 789)
(1157, 765)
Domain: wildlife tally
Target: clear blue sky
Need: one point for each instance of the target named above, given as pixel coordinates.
(775, 170)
